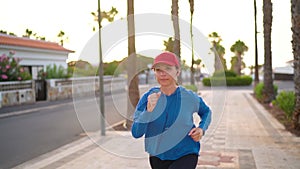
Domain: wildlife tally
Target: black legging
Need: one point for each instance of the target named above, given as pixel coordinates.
(186, 162)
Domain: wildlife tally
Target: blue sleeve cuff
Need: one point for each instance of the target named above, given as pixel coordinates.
(205, 120)
(144, 117)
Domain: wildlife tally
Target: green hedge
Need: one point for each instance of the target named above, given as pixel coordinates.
(226, 73)
(228, 81)
(191, 87)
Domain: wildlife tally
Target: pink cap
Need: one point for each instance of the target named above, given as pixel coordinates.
(168, 58)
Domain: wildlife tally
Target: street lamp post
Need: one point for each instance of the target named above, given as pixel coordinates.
(256, 76)
(101, 99)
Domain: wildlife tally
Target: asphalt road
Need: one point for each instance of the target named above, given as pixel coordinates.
(29, 135)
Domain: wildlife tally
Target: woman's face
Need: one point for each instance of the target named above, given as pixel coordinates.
(165, 74)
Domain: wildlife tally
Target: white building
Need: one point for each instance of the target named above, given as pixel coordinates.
(34, 54)
(285, 72)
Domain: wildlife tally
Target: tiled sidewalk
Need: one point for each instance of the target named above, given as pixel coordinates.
(242, 135)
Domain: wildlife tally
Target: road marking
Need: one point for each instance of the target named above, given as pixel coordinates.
(16, 113)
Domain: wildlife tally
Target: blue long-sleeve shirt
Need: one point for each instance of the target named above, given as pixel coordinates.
(166, 128)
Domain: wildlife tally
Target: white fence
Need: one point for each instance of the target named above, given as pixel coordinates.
(82, 86)
(16, 93)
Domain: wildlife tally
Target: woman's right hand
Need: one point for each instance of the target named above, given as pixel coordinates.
(152, 101)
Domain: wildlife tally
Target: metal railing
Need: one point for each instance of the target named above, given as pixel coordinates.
(16, 85)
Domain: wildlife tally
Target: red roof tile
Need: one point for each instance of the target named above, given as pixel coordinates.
(31, 43)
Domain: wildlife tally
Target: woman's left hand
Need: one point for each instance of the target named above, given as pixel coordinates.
(196, 134)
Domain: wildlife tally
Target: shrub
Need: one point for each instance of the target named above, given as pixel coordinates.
(206, 81)
(228, 81)
(54, 72)
(286, 101)
(226, 73)
(227, 78)
(258, 91)
(214, 81)
(239, 81)
(10, 70)
(191, 87)
(79, 72)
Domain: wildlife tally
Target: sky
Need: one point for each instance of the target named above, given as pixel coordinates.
(232, 19)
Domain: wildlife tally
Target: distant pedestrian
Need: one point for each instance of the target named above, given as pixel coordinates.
(164, 114)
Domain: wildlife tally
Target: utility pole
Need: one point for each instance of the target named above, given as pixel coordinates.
(101, 90)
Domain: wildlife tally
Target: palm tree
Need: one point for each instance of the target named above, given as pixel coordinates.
(175, 19)
(221, 52)
(239, 48)
(62, 38)
(218, 50)
(234, 62)
(268, 90)
(169, 44)
(296, 51)
(198, 65)
(108, 15)
(191, 32)
(28, 33)
(133, 81)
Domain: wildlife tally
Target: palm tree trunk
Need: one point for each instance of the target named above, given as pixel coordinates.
(295, 9)
(217, 58)
(239, 64)
(132, 81)
(175, 19)
(268, 91)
